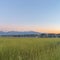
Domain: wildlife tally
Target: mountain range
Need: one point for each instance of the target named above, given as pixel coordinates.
(18, 33)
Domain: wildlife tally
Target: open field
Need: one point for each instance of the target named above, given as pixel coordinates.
(29, 48)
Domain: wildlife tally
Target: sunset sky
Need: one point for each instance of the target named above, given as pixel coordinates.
(30, 15)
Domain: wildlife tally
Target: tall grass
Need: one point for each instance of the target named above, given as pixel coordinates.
(29, 49)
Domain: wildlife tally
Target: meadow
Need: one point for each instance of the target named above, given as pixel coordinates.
(29, 48)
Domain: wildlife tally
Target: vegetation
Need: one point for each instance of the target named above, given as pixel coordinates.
(29, 48)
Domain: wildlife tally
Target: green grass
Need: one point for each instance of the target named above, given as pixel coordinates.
(29, 49)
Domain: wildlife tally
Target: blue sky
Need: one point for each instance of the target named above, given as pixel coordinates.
(44, 14)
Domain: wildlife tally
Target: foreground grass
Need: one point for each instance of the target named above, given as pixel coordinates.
(29, 49)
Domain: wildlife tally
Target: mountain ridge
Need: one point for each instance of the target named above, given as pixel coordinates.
(18, 32)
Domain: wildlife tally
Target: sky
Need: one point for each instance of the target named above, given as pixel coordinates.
(26, 15)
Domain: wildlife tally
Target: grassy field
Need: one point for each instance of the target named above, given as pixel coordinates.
(29, 49)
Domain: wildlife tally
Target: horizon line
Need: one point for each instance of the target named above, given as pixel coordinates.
(29, 28)
(29, 31)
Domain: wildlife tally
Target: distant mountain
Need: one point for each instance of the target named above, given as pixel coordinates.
(18, 33)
